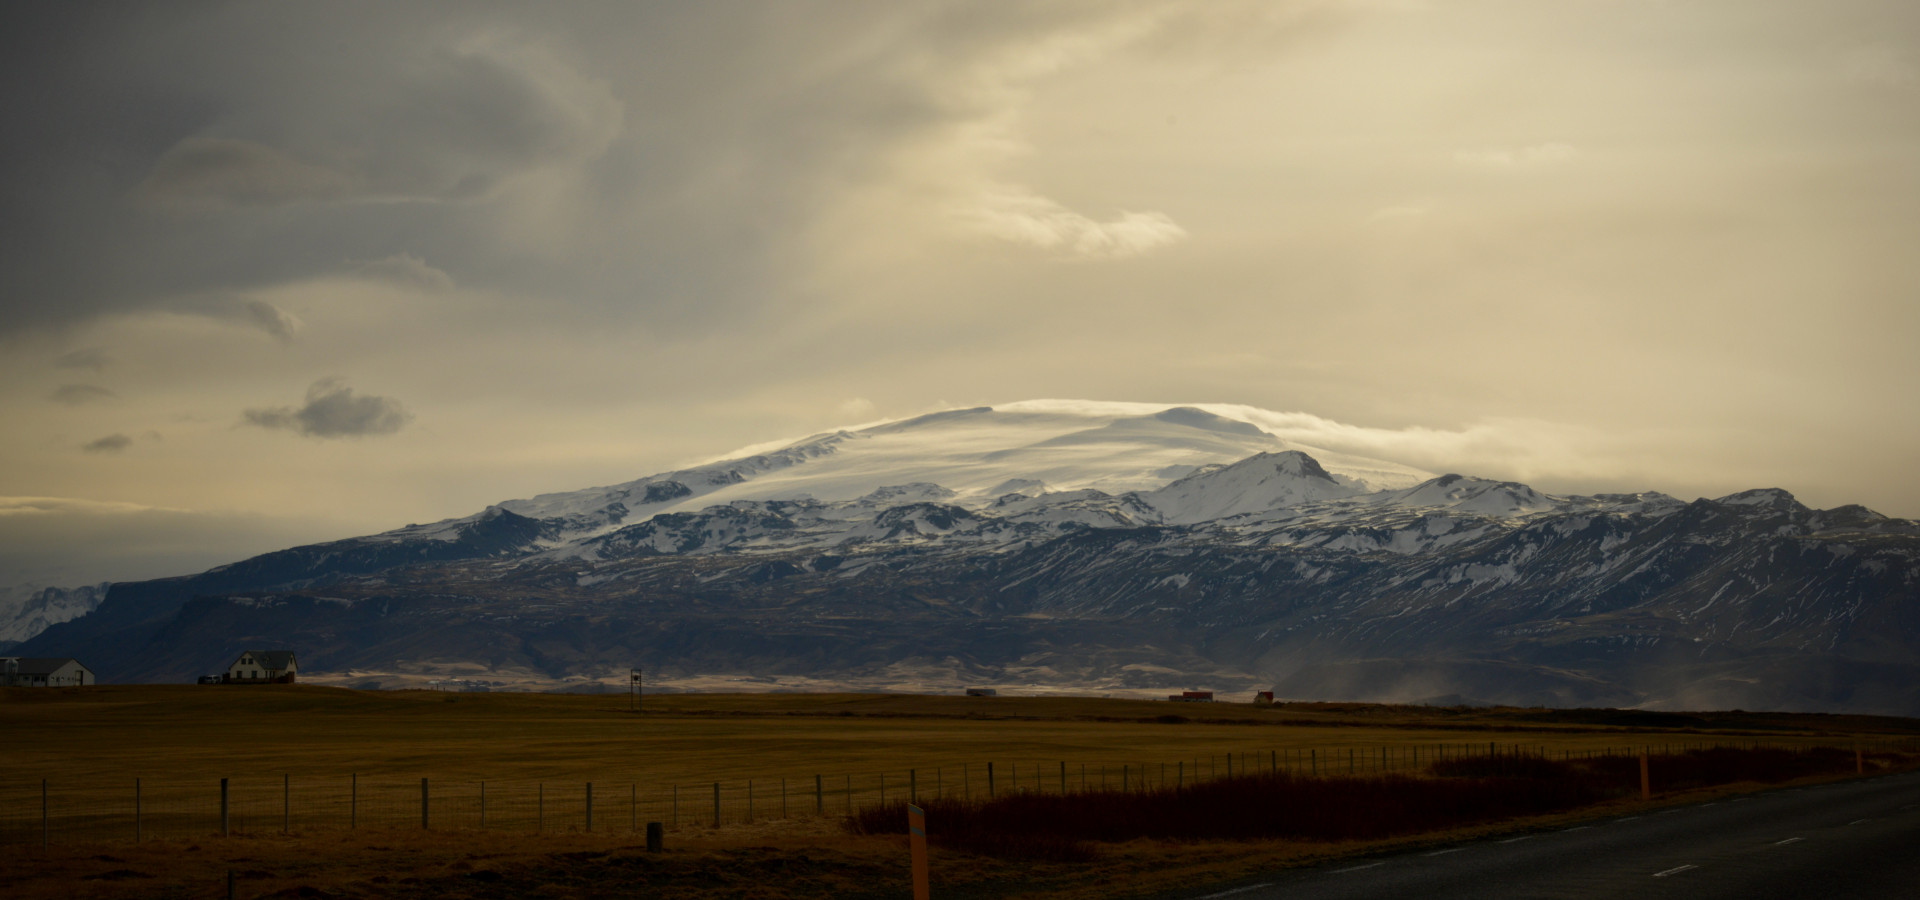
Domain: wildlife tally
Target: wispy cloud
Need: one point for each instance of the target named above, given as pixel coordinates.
(1028, 218)
(1528, 155)
(112, 443)
(81, 394)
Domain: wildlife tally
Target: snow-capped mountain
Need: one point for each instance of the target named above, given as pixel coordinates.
(27, 610)
(1093, 545)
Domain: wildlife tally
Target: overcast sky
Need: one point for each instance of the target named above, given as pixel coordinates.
(279, 272)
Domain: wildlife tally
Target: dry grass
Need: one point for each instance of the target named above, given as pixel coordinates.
(99, 739)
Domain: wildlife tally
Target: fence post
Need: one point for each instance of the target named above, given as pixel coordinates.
(989, 781)
(483, 806)
(224, 821)
(676, 806)
(589, 807)
(716, 804)
(1859, 761)
(913, 785)
(1063, 776)
(633, 806)
(1646, 782)
(1180, 774)
(286, 803)
(819, 797)
(423, 805)
(1126, 772)
(540, 808)
(917, 845)
(783, 798)
(655, 837)
(136, 810)
(353, 801)
(749, 801)
(46, 827)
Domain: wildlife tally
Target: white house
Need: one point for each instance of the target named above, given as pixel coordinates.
(62, 671)
(262, 667)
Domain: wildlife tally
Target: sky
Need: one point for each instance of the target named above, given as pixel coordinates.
(278, 273)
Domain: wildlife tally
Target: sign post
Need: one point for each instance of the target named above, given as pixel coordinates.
(917, 837)
(633, 690)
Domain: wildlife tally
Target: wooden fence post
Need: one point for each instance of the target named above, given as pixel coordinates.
(136, 810)
(989, 781)
(540, 808)
(589, 807)
(483, 806)
(716, 804)
(819, 797)
(46, 826)
(286, 803)
(917, 842)
(913, 785)
(423, 805)
(224, 820)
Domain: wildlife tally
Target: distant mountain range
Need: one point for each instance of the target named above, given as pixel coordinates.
(1084, 546)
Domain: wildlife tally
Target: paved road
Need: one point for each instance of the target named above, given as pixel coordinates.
(1858, 839)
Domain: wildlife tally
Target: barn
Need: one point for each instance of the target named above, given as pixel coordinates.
(262, 667)
(52, 671)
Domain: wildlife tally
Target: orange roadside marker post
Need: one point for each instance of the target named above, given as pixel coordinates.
(917, 838)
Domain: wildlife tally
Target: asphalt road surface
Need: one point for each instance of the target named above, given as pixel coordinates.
(1857, 839)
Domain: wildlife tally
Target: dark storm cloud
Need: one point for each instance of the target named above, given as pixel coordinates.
(81, 394)
(333, 411)
(113, 443)
(658, 162)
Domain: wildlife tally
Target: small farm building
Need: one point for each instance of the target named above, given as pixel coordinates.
(56, 671)
(1264, 698)
(262, 667)
(1192, 697)
(981, 692)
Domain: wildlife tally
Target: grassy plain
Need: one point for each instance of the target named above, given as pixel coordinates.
(101, 738)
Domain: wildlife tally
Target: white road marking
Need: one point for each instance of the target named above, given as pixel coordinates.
(1668, 812)
(1358, 868)
(1673, 871)
(1524, 837)
(1714, 803)
(1446, 851)
(1740, 799)
(1238, 890)
(1788, 841)
(1580, 828)
(1627, 819)
(1859, 821)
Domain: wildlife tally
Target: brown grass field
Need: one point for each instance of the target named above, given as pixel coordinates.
(295, 754)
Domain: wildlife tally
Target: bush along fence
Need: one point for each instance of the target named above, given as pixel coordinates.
(55, 811)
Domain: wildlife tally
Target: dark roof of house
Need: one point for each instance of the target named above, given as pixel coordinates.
(268, 659)
(43, 665)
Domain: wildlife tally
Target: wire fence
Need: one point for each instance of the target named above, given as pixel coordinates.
(55, 811)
